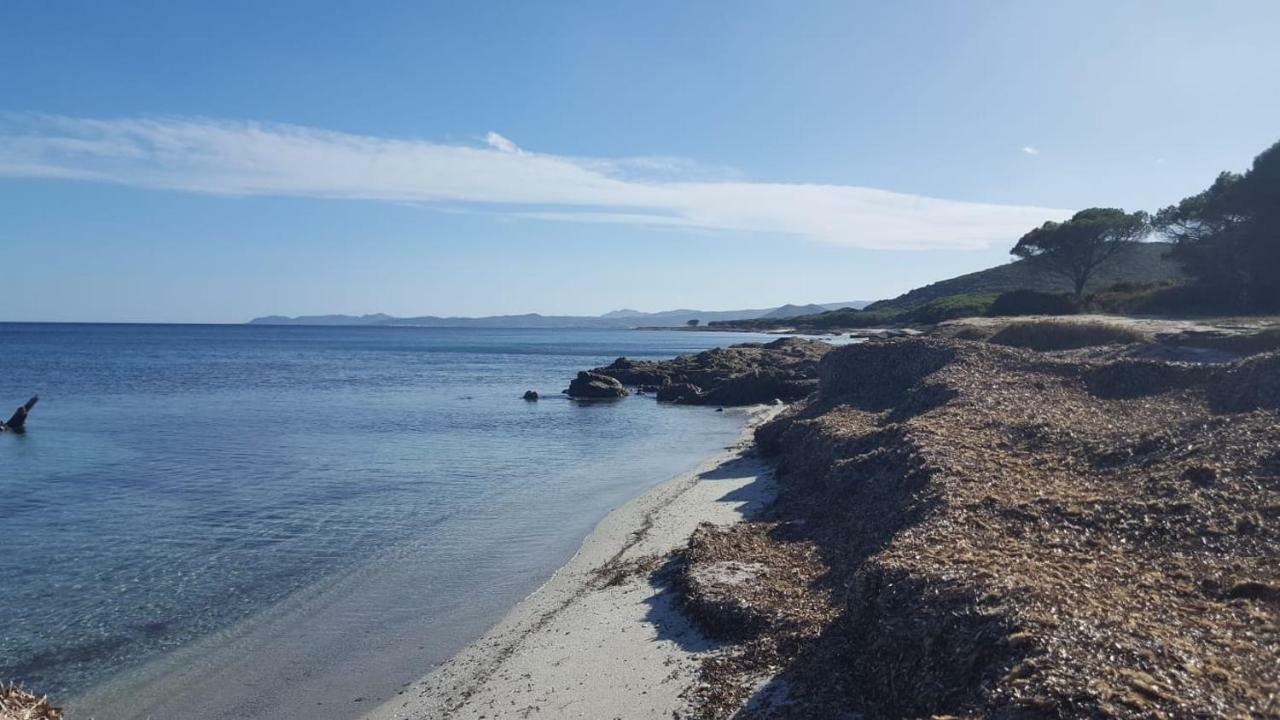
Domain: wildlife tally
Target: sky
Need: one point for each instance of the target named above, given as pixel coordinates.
(178, 161)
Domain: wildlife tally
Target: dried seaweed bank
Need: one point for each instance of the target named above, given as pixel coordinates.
(18, 704)
(978, 531)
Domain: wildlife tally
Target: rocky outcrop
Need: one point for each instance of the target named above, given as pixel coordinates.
(592, 385)
(785, 369)
(683, 393)
(530, 395)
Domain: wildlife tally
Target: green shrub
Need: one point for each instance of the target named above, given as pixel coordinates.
(1064, 335)
(1163, 298)
(932, 312)
(1034, 302)
(950, 308)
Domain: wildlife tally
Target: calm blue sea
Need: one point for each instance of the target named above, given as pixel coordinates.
(366, 499)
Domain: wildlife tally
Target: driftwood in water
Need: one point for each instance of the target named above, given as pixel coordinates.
(19, 419)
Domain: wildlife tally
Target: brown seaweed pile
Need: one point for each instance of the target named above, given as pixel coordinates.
(977, 531)
(18, 704)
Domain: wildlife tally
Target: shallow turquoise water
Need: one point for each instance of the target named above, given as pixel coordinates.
(176, 481)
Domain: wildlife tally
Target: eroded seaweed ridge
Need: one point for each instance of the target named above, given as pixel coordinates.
(979, 531)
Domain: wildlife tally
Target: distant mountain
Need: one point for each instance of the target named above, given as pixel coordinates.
(375, 319)
(615, 319)
(855, 304)
(789, 311)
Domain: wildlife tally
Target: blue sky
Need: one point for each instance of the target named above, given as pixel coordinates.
(209, 162)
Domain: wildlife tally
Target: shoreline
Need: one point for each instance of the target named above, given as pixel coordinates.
(600, 638)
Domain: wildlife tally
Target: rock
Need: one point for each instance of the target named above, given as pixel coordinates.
(19, 419)
(595, 385)
(684, 393)
(743, 374)
(531, 395)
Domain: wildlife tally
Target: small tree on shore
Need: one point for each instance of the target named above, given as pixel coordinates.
(1076, 248)
(692, 323)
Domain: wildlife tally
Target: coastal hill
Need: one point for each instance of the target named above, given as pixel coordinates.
(615, 319)
(1143, 263)
(972, 294)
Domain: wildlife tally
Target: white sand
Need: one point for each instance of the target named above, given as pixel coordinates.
(581, 648)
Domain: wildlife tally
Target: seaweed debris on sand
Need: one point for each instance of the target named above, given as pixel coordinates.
(18, 704)
(745, 374)
(972, 530)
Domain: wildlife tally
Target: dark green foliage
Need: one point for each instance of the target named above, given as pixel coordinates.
(1034, 302)
(1144, 263)
(949, 308)
(1164, 298)
(1228, 237)
(1075, 249)
(934, 311)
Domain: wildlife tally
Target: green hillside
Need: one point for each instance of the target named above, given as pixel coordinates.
(972, 294)
(1145, 263)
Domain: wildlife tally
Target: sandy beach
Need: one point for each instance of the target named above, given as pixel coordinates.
(602, 638)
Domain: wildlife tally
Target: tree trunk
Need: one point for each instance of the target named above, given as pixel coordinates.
(19, 419)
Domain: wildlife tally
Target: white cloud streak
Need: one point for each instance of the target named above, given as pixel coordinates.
(1028, 150)
(241, 158)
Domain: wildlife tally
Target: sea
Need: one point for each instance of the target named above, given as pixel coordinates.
(249, 521)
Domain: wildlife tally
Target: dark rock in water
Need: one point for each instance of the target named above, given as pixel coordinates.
(744, 374)
(685, 393)
(19, 419)
(638, 373)
(531, 395)
(595, 385)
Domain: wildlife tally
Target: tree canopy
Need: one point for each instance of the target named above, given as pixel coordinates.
(1077, 247)
(1228, 237)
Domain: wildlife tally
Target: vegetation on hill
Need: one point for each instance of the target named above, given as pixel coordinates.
(1146, 263)
(1228, 237)
(1224, 257)
(1076, 249)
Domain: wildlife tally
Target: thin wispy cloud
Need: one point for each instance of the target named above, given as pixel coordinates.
(242, 158)
(1028, 150)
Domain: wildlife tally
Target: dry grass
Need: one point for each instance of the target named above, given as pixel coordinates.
(979, 531)
(1046, 335)
(18, 704)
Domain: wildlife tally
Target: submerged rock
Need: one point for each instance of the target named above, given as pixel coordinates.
(595, 385)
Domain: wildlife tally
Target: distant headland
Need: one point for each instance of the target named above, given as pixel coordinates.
(618, 319)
